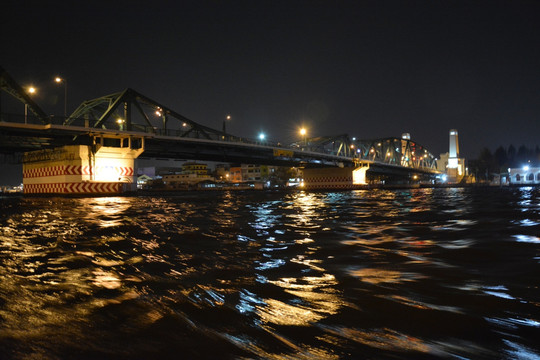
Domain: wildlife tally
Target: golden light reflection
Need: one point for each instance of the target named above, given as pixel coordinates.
(105, 279)
(387, 339)
(308, 206)
(280, 313)
(311, 263)
(421, 305)
(377, 276)
(106, 211)
(318, 300)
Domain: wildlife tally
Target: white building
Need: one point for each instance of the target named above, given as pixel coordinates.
(524, 175)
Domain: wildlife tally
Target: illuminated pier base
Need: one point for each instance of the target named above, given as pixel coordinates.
(334, 178)
(81, 169)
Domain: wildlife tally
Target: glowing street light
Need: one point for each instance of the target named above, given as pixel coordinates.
(120, 123)
(59, 80)
(262, 136)
(303, 132)
(31, 90)
(227, 118)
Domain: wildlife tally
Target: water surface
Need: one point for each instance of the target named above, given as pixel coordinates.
(422, 273)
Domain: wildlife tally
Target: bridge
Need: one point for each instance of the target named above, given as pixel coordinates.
(130, 120)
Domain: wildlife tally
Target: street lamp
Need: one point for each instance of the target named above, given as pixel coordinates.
(303, 132)
(31, 90)
(228, 117)
(61, 80)
(262, 136)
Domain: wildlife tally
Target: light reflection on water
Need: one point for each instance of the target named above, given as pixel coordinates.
(425, 273)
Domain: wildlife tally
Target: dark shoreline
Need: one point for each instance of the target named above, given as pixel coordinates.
(155, 192)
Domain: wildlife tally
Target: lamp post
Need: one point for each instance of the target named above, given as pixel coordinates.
(62, 80)
(303, 132)
(31, 90)
(228, 117)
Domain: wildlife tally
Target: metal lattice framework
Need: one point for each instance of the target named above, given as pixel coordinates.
(131, 111)
(395, 151)
(339, 145)
(11, 87)
(391, 151)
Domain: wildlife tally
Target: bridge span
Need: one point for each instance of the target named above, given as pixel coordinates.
(140, 127)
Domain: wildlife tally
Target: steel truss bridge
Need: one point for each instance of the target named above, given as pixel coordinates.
(164, 133)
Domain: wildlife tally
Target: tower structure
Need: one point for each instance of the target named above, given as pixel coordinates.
(456, 166)
(453, 152)
(454, 144)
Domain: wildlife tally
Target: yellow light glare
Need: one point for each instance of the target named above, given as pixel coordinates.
(303, 131)
(31, 89)
(107, 173)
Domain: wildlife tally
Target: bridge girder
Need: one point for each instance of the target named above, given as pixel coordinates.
(391, 151)
(396, 151)
(339, 145)
(10, 86)
(116, 111)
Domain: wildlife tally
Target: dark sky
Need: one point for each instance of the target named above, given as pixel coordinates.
(367, 68)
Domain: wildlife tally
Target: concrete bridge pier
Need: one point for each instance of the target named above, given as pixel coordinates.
(335, 177)
(104, 167)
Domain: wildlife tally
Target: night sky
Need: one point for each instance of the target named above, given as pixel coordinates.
(367, 68)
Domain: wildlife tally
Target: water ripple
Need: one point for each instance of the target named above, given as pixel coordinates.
(419, 273)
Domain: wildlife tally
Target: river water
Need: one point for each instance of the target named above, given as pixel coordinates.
(414, 274)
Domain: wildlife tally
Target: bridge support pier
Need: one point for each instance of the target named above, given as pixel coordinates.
(335, 178)
(105, 167)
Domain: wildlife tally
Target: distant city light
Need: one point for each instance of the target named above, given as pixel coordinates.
(526, 168)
